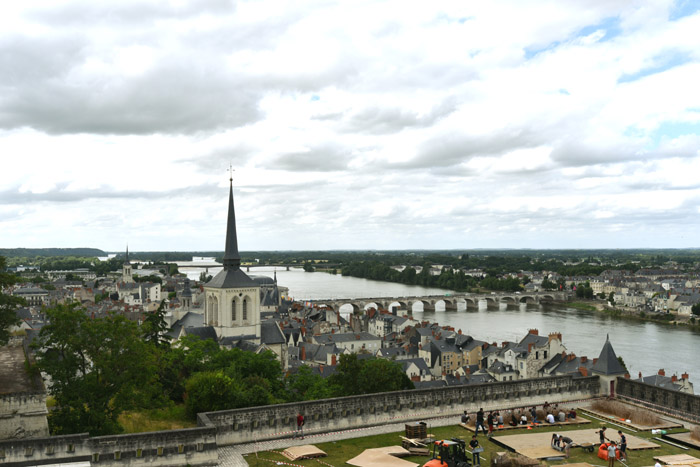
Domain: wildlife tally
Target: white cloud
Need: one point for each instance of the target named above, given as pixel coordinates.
(378, 124)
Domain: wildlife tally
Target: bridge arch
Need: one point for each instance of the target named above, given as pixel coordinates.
(508, 299)
(529, 299)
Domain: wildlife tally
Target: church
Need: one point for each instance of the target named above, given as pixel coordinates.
(232, 302)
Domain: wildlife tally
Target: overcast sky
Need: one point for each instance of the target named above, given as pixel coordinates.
(359, 124)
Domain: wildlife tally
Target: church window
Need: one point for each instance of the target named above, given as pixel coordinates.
(233, 310)
(245, 309)
(215, 309)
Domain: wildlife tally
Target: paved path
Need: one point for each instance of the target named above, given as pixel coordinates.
(233, 455)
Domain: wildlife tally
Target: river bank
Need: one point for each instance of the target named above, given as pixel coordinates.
(634, 314)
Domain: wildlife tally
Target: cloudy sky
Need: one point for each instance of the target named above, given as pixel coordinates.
(357, 124)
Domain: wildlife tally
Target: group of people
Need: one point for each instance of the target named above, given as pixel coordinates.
(613, 446)
(562, 443)
(515, 418)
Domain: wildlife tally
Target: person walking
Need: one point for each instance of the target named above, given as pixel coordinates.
(480, 422)
(611, 454)
(300, 426)
(601, 434)
(623, 445)
(474, 444)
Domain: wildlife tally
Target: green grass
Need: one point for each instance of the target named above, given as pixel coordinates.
(341, 451)
(581, 306)
(168, 418)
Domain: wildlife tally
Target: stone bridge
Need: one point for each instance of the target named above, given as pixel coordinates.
(450, 301)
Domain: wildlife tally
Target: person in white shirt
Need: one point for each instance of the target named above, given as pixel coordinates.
(550, 418)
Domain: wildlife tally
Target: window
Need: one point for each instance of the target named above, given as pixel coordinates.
(233, 310)
(139, 452)
(545, 354)
(117, 455)
(245, 309)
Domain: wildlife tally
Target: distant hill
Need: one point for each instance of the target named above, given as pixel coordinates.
(33, 252)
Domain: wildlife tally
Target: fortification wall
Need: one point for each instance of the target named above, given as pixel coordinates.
(192, 446)
(328, 415)
(678, 404)
(23, 415)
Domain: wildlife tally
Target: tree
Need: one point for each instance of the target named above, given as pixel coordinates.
(8, 304)
(154, 327)
(381, 375)
(98, 368)
(611, 298)
(696, 309)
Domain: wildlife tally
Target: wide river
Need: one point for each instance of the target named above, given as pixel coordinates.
(644, 346)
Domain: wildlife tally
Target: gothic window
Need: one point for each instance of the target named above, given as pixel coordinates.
(233, 310)
(245, 309)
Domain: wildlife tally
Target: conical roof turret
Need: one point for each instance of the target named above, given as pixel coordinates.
(607, 363)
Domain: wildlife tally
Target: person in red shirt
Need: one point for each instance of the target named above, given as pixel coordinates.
(300, 426)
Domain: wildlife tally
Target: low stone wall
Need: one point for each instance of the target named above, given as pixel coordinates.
(191, 446)
(23, 415)
(674, 403)
(345, 413)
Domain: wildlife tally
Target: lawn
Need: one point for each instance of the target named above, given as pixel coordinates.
(342, 450)
(169, 418)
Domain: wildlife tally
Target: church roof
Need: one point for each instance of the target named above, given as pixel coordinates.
(270, 333)
(263, 280)
(231, 277)
(608, 363)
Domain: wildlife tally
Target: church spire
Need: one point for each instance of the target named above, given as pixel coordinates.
(126, 260)
(232, 259)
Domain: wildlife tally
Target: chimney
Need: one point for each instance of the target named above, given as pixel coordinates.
(674, 378)
(320, 368)
(334, 359)
(495, 344)
(627, 376)
(303, 353)
(640, 375)
(595, 360)
(459, 332)
(583, 370)
(533, 331)
(662, 372)
(584, 359)
(357, 336)
(555, 335)
(468, 370)
(529, 347)
(504, 343)
(684, 376)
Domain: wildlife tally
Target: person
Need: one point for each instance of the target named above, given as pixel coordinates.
(555, 442)
(489, 421)
(572, 414)
(545, 407)
(513, 419)
(465, 418)
(500, 419)
(523, 419)
(567, 442)
(474, 444)
(533, 412)
(611, 454)
(562, 416)
(550, 418)
(480, 422)
(601, 434)
(658, 464)
(623, 445)
(300, 426)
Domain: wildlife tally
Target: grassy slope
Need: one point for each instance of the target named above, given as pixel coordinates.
(171, 418)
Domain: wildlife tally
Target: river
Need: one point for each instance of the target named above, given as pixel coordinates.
(644, 346)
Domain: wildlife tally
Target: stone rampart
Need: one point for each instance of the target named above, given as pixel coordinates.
(328, 415)
(191, 446)
(678, 404)
(23, 415)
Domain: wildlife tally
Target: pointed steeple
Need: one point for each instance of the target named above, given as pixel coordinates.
(232, 259)
(126, 260)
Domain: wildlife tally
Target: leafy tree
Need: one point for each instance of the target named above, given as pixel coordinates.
(306, 385)
(98, 368)
(696, 309)
(611, 298)
(381, 375)
(154, 327)
(309, 267)
(346, 376)
(549, 285)
(8, 304)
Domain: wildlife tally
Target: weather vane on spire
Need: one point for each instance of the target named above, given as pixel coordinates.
(230, 171)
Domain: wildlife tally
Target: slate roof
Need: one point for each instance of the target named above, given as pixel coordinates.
(270, 333)
(438, 383)
(419, 362)
(231, 279)
(607, 363)
(263, 280)
(660, 381)
(204, 332)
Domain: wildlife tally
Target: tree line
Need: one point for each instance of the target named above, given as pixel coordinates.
(101, 367)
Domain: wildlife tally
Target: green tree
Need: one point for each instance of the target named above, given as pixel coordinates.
(8, 304)
(381, 375)
(306, 385)
(98, 368)
(696, 309)
(611, 298)
(154, 327)
(346, 376)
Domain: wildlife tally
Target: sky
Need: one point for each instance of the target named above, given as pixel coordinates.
(350, 125)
